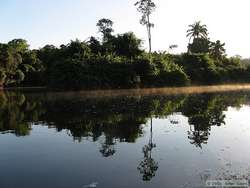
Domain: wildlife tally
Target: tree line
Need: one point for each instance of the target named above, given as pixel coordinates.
(119, 61)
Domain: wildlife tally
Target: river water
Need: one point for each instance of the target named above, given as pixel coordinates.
(69, 140)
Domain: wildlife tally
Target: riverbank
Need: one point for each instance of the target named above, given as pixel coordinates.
(137, 92)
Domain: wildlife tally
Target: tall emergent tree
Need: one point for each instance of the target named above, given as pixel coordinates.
(105, 27)
(146, 8)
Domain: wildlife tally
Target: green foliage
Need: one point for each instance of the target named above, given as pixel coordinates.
(117, 61)
(213, 68)
(65, 74)
(79, 74)
(95, 45)
(199, 34)
(169, 73)
(127, 45)
(75, 50)
(199, 45)
(115, 72)
(19, 45)
(200, 67)
(197, 30)
(146, 8)
(10, 60)
(19, 76)
(204, 69)
(48, 54)
(17, 61)
(160, 70)
(217, 50)
(105, 27)
(234, 69)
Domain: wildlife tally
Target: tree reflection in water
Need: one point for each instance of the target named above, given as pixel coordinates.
(110, 120)
(148, 166)
(198, 137)
(17, 113)
(108, 147)
(205, 111)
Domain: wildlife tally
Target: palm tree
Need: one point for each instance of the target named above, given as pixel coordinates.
(197, 30)
(198, 138)
(217, 50)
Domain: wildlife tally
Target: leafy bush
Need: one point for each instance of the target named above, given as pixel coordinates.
(160, 71)
(200, 68)
(84, 75)
(66, 74)
(115, 72)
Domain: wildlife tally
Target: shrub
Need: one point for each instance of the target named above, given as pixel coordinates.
(200, 68)
(66, 74)
(160, 71)
(86, 75)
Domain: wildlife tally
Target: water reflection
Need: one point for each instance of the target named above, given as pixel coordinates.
(112, 120)
(17, 113)
(205, 111)
(148, 165)
(118, 119)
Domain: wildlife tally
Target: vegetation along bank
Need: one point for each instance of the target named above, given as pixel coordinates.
(119, 61)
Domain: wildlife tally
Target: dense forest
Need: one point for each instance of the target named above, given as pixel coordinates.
(119, 61)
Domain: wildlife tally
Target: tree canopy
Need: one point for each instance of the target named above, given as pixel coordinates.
(197, 30)
(105, 27)
(119, 61)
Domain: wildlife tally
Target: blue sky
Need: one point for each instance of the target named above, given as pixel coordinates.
(58, 21)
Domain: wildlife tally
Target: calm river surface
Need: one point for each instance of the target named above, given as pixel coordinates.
(64, 140)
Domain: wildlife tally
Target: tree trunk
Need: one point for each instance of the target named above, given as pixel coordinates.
(149, 34)
(1, 86)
